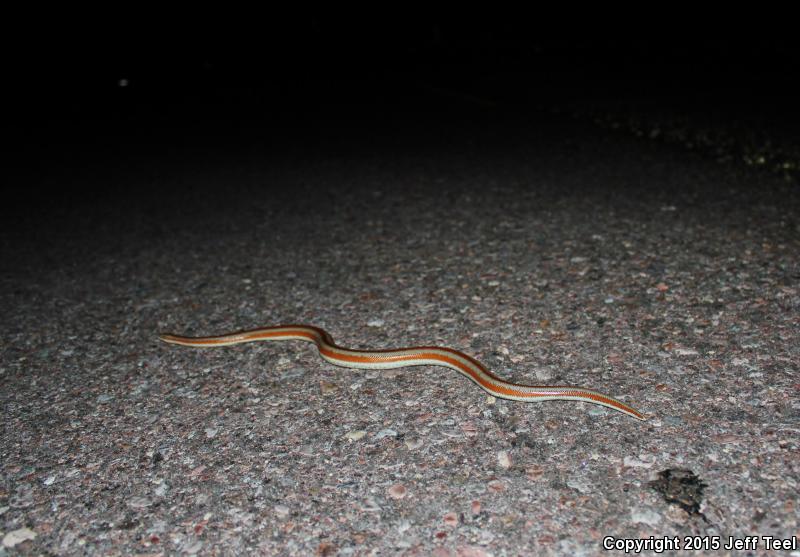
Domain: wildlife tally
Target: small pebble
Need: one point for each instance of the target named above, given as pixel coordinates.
(534, 472)
(326, 387)
(413, 444)
(139, 502)
(397, 491)
(356, 435)
(18, 536)
(645, 516)
(504, 460)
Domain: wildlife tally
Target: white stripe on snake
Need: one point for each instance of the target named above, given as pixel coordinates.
(411, 356)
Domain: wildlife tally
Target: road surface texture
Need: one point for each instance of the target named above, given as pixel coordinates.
(553, 250)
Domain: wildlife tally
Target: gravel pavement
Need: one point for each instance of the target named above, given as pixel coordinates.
(552, 250)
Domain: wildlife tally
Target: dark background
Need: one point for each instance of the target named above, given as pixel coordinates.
(143, 93)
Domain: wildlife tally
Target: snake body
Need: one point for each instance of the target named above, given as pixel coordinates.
(411, 356)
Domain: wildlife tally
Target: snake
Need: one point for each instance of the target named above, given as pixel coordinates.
(466, 365)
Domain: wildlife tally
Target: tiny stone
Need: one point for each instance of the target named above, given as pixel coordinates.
(413, 444)
(634, 462)
(194, 547)
(356, 435)
(139, 502)
(397, 491)
(18, 536)
(579, 484)
(534, 472)
(645, 516)
(326, 387)
(503, 459)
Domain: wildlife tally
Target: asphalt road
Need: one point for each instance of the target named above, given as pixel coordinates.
(552, 250)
